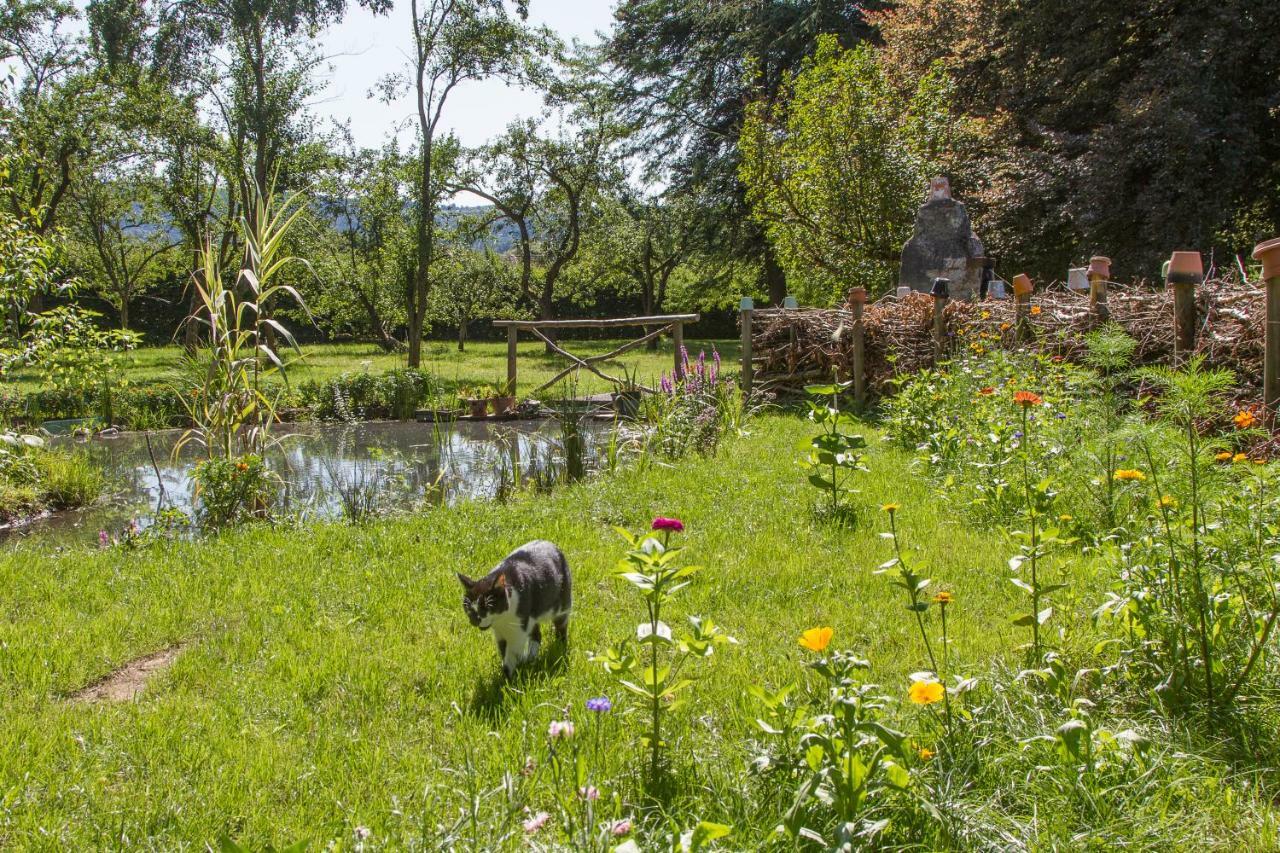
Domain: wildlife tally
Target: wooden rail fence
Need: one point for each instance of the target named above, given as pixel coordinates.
(672, 323)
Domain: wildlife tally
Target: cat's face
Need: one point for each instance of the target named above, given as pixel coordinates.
(484, 600)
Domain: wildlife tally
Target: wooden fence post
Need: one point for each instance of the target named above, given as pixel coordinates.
(677, 343)
(858, 299)
(513, 335)
(1099, 274)
(1022, 289)
(1186, 270)
(1269, 254)
(941, 292)
(745, 307)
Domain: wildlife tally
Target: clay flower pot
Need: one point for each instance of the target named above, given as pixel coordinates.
(1185, 268)
(1269, 254)
(858, 295)
(1099, 267)
(478, 406)
(503, 405)
(1022, 284)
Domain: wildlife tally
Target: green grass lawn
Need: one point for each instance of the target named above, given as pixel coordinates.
(328, 678)
(483, 363)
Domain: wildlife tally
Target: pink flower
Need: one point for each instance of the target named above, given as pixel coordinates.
(673, 524)
(560, 730)
(591, 792)
(536, 822)
(103, 539)
(621, 828)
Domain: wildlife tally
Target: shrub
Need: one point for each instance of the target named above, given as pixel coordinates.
(231, 491)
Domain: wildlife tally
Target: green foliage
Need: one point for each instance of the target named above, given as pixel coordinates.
(395, 394)
(651, 667)
(69, 479)
(232, 490)
(834, 456)
(835, 166)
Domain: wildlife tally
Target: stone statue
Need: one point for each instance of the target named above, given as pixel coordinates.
(943, 246)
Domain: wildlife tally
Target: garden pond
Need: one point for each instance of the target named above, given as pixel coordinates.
(330, 471)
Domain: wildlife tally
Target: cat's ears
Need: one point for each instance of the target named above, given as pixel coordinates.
(501, 582)
(466, 582)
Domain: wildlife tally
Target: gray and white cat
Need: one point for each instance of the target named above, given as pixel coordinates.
(530, 586)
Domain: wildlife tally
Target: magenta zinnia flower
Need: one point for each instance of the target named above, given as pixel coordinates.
(673, 524)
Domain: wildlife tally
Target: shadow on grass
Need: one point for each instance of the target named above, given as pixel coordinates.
(490, 699)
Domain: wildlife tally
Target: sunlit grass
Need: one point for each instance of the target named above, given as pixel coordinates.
(329, 678)
(483, 363)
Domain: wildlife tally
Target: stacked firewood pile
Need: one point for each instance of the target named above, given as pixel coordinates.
(795, 347)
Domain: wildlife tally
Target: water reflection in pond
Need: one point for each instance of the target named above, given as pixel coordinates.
(332, 470)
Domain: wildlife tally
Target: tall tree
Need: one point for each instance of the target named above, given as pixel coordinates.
(120, 239)
(454, 41)
(834, 169)
(686, 71)
(1123, 129)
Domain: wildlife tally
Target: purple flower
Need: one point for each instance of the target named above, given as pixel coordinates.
(1018, 434)
(621, 828)
(1060, 415)
(589, 792)
(673, 524)
(599, 704)
(103, 539)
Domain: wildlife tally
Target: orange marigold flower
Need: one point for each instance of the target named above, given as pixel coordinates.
(986, 392)
(890, 508)
(1027, 399)
(925, 753)
(1129, 474)
(1245, 419)
(817, 639)
(925, 692)
(1035, 309)
(944, 597)
(1004, 327)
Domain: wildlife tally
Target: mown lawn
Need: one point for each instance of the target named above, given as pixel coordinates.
(483, 363)
(329, 680)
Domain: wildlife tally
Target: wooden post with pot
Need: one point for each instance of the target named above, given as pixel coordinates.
(1186, 270)
(1099, 274)
(746, 307)
(1022, 289)
(857, 301)
(1269, 254)
(677, 343)
(513, 336)
(941, 293)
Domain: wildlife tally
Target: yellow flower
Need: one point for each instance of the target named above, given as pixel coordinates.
(926, 692)
(1004, 327)
(925, 753)
(1245, 419)
(1240, 457)
(1224, 456)
(1064, 518)
(986, 315)
(1130, 474)
(816, 639)
(944, 597)
(1167, 501)
(1259, 461)
(890, 508)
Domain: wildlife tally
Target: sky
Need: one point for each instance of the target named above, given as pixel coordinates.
(363, 49)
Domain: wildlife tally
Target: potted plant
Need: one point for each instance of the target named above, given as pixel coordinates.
(505, 400)
(626, 399)
(477, 403)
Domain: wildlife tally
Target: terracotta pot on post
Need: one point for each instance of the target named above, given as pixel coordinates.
(1269, 254)
(1099, 274)
(478, 406)
(1186, 270)
(1022, 290)
(941, 293)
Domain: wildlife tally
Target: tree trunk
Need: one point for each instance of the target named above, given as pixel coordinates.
(124, 314)
(462, 336)
(775, 279)
(546, 311)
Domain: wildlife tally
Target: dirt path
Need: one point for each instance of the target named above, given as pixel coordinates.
(126, 682)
